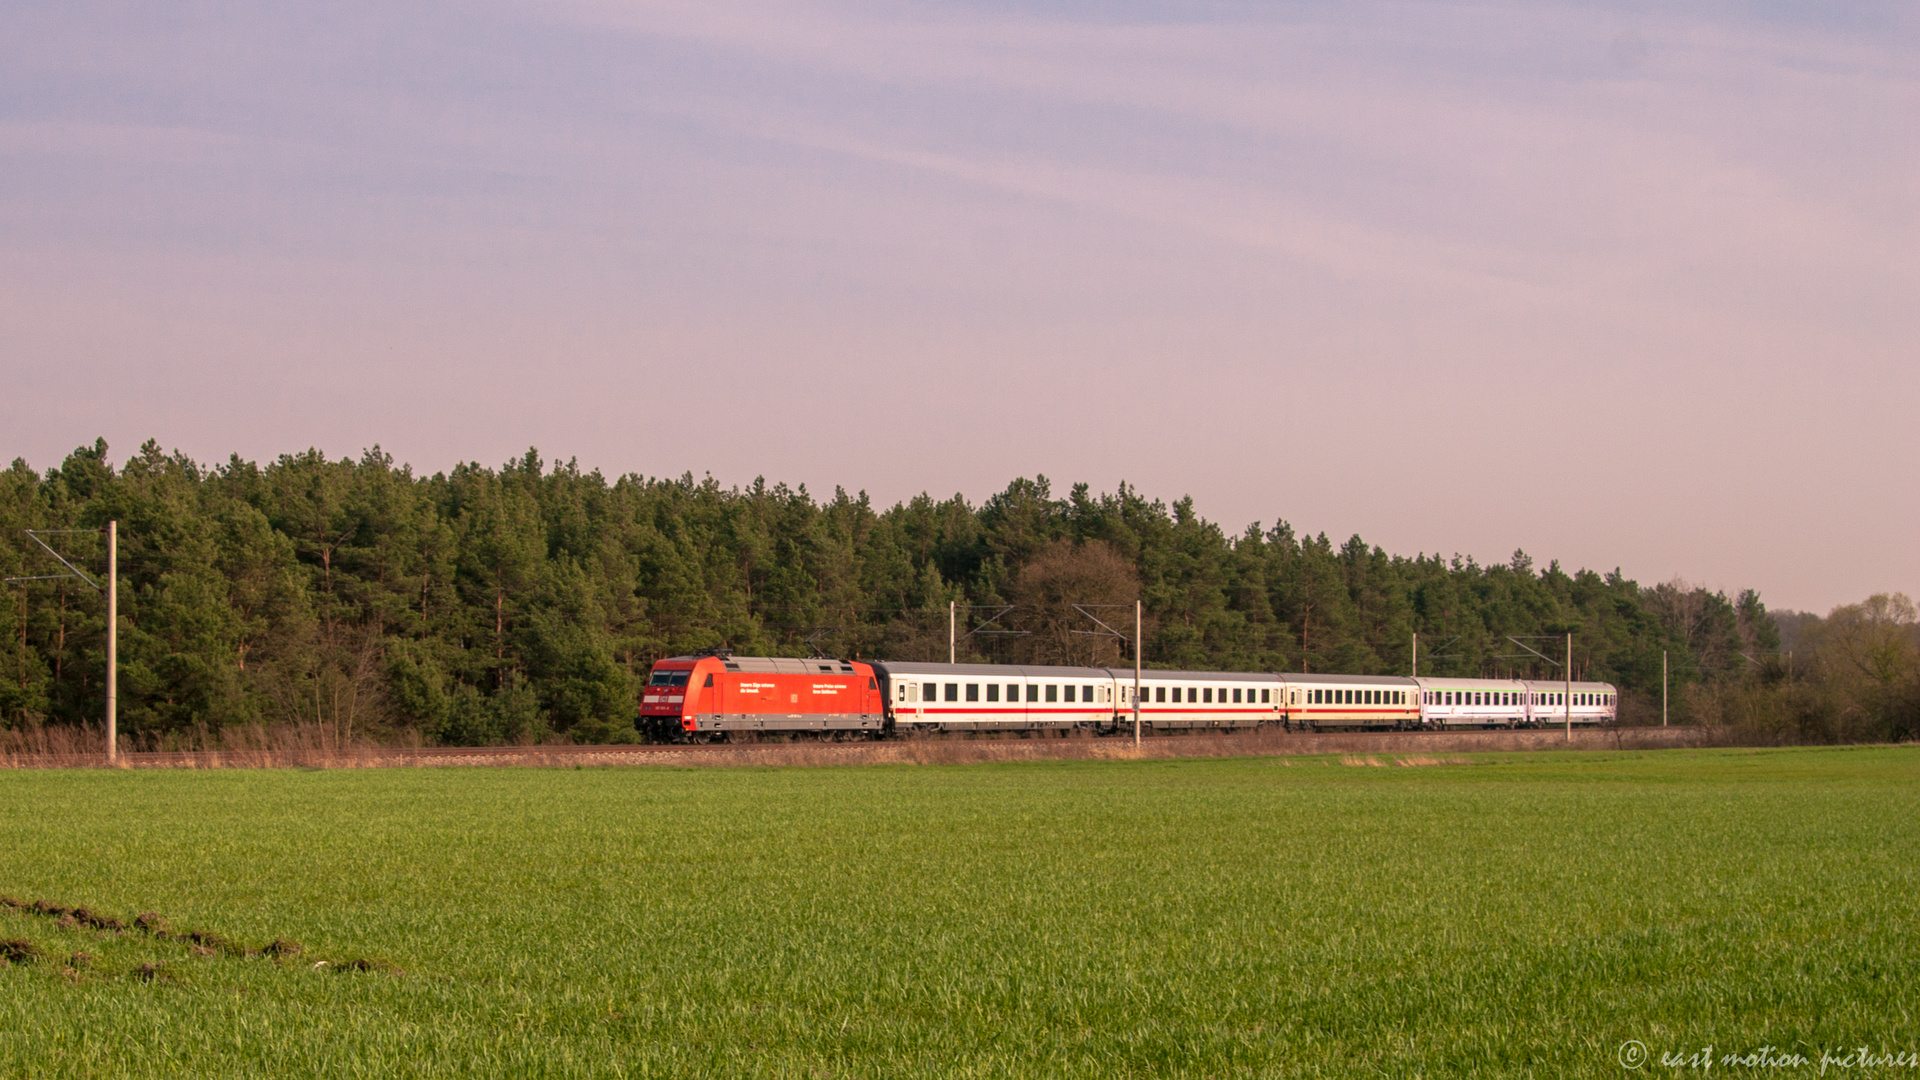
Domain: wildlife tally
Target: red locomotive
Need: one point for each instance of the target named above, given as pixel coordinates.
(698, 696)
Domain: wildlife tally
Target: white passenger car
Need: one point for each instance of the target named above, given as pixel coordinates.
(990, 697)
(1317, 702)
(1004, 697)
(1201, 699)
(1480, 703)
(1591, 703)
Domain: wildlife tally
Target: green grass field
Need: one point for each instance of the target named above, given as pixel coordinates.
(1511, 915)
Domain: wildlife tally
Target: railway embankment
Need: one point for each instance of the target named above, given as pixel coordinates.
(1387, 746)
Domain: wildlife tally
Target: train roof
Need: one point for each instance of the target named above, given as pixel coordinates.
(1547, 685)
(776, 665)
(1031, 671)
(1164, 674)
(1044, 671)
(1439, 682)
(1309, 678)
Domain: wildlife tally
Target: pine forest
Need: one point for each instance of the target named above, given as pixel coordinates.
(526, 603)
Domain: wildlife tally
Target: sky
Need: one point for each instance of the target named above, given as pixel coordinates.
(1630, 285)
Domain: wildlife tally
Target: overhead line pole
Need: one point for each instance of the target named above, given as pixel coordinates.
(113, 641)
(1567, 698)
(1663, 688)
(1136, 674)
(952, 644)
(112, 591)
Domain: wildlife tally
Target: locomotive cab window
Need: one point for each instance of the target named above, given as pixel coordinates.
(709, 681)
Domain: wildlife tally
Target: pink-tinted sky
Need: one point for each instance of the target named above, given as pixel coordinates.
(1620, 285)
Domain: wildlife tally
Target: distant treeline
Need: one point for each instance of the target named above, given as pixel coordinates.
(528, 602)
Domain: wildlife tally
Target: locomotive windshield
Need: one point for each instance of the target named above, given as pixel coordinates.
(669, 678)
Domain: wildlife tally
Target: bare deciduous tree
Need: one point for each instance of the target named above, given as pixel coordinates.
(1058, 576)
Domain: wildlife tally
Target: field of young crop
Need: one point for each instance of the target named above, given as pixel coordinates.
(1485, 915)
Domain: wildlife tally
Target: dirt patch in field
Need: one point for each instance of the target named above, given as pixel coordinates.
(155, 926)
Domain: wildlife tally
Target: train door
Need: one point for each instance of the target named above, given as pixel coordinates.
(715, 700)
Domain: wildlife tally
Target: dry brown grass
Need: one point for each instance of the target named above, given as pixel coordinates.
(318, 746)
(244, 746)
